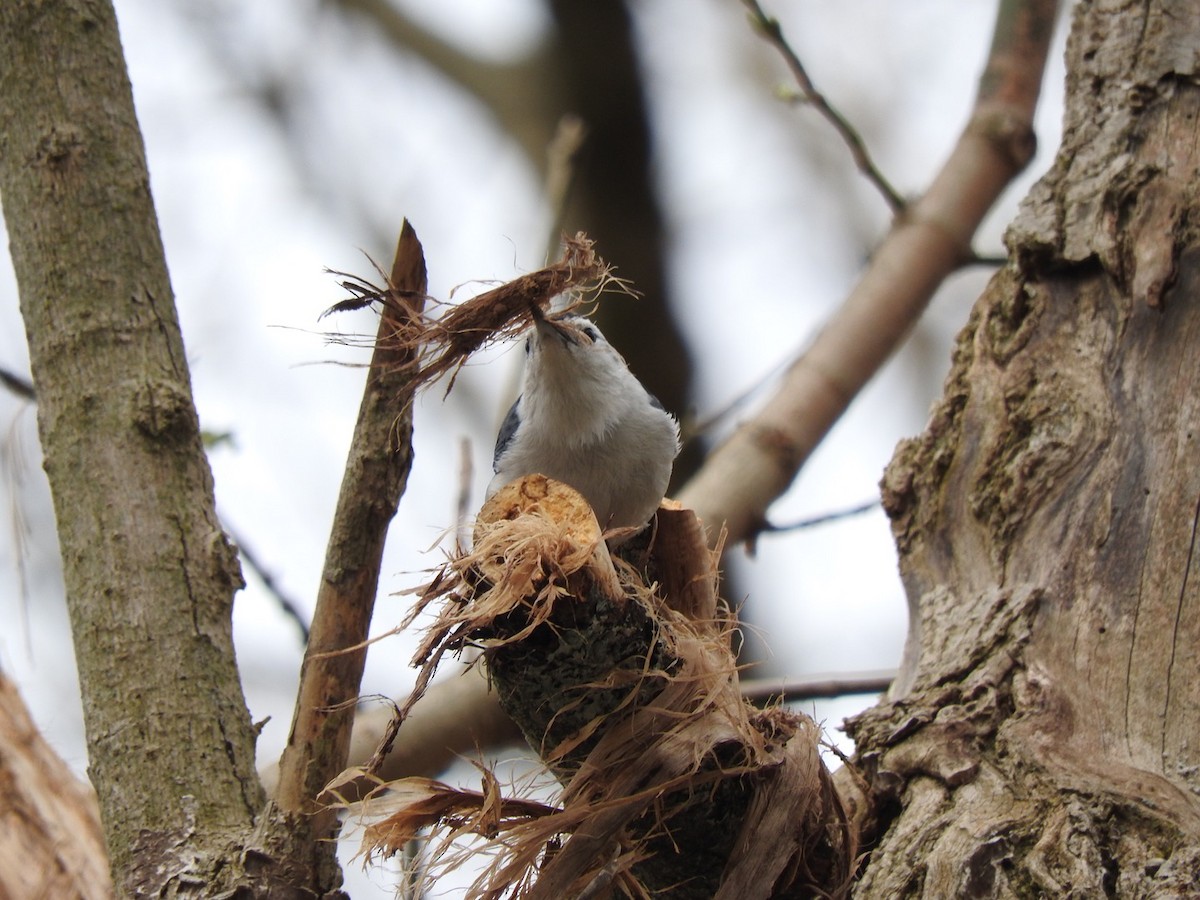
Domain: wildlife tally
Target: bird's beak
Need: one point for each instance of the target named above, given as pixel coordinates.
(548, 328)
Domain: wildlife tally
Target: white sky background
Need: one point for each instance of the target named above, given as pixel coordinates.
(769, 229)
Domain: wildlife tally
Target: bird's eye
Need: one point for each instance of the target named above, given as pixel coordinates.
(592, 334)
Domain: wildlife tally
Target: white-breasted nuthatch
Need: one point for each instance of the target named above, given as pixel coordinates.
(583, 419)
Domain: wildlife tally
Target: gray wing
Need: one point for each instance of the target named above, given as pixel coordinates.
(508, 428)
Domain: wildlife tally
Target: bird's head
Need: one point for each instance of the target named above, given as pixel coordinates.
(573, 374)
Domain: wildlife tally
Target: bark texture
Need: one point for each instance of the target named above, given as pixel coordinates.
(149, 574)
(50, 839)
(672, 785)
(1040, 740)
(377, 470)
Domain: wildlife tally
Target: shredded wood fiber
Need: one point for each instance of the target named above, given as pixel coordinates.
(441, 344)
(672, 785)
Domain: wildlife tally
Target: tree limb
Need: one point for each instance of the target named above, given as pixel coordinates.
(763, 690)
(376, 472)
(456, 717)
(759, 461)
(770, 28)
(287, 605)
(149, 575)
(18, 385)
(460, 715)
(522, 95)
(23, 388)
(823, 519)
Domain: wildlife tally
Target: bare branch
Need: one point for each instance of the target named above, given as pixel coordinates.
(759, 460)
(18, 385)
(23, 388)
(993, 262)
(376, 472)
(289, 606)
(458, 716)
(763, 690)
(770, 29)
(462, 504)
(461, 715)
(142, 549)
(510, 91)
(825, 518)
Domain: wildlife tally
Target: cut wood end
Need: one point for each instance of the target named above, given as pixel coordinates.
(687, 567)
(409, 275)
(539, 495)
(524, 511)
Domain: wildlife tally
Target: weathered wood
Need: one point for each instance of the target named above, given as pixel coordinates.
(631, 696)
(302, 829)
(51, 844)
(1040, 740)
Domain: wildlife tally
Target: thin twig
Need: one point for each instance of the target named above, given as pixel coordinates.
(700, 426)
(462, 513)
(23, 388)
(17, 384)
(461, 714)
(771, 30)
(519, 93)
(759, 461)
(825, 518)
(995, 262)
(763, 690)
(289, 606)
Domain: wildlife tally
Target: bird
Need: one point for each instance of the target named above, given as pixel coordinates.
(584, 419)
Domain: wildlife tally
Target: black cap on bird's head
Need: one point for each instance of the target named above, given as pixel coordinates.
(572, 330)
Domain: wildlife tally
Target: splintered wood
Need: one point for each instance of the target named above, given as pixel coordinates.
(620, 674)
(443, 344)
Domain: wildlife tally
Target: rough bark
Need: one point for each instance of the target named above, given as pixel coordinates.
(149, 574)
(50, 839)
(1040, 740)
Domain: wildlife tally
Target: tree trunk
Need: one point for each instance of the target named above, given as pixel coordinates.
(1041, 738)
(149, 574)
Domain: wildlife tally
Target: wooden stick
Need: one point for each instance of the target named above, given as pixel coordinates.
(376, 472)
